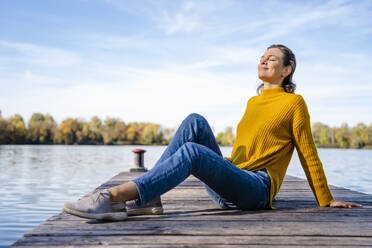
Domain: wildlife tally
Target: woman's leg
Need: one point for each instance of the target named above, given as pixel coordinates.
(193, 150)
(194, 128)
(245, 189)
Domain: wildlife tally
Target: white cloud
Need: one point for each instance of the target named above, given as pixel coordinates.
(41, 55)
(182, 21)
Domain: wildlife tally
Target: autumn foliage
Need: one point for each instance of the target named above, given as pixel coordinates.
(42, 129)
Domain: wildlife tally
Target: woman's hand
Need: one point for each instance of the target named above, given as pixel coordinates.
(341, 204)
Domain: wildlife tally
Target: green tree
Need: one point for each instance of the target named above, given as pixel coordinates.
(58, 137)
(369, 131)
(4, 131)
(360, 137)
(95, 130)
(82, 133)
(119, 132)
(316, 129)
(152, 134)
(49, 127)
(77, 131)
(17, 130)
(226, 138)
(114, 131)
(343, 136)
(323, 135)
(69, 128)
(34, 128)
(41, 129)
(133, 132)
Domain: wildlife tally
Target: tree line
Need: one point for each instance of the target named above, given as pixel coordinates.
(43, 129)
(358, 136)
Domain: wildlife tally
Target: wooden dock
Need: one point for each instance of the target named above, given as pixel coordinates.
(191, 219)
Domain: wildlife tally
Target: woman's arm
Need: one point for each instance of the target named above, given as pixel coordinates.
(307, 153)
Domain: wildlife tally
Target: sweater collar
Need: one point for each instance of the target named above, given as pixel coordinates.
(272, 91)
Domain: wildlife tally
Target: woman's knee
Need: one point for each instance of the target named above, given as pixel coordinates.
(192, 148)
(192, 152)
(196, 116)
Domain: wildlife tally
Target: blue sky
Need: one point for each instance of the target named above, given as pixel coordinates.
(158, 61)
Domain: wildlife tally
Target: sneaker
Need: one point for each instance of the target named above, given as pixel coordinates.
(153, 207)
(97, 205)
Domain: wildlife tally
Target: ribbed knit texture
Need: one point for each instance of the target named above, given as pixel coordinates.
(273, 124)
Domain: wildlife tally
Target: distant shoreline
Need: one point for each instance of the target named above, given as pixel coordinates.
(43, 129)
(323, 147)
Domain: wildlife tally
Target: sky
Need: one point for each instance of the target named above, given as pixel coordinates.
(158, 61)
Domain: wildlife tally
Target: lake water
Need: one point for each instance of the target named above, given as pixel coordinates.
(35, 181)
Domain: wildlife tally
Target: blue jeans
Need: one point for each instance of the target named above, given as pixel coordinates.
(194, 150)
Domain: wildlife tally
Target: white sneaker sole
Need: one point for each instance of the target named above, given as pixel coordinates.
(116, 216)
(145, 211)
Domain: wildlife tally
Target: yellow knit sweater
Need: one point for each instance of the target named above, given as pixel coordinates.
(273, 124)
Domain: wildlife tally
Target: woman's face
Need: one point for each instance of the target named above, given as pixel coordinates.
(270, 68)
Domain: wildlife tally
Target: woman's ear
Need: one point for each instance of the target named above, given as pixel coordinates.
(286, 71)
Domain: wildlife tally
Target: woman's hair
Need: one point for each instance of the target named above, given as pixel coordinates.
(288, 59)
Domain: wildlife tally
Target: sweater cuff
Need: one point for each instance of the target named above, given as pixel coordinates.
(326, 203)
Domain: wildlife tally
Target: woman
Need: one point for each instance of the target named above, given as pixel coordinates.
(274, 122)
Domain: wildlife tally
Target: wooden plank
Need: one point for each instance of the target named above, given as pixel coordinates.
(196, 212)
(192, 219)
(171, 240)
(217, 223)
(193, 216)
(196, 229)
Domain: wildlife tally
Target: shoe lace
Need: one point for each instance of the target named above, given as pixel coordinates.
(98, 198)
(94, 197)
